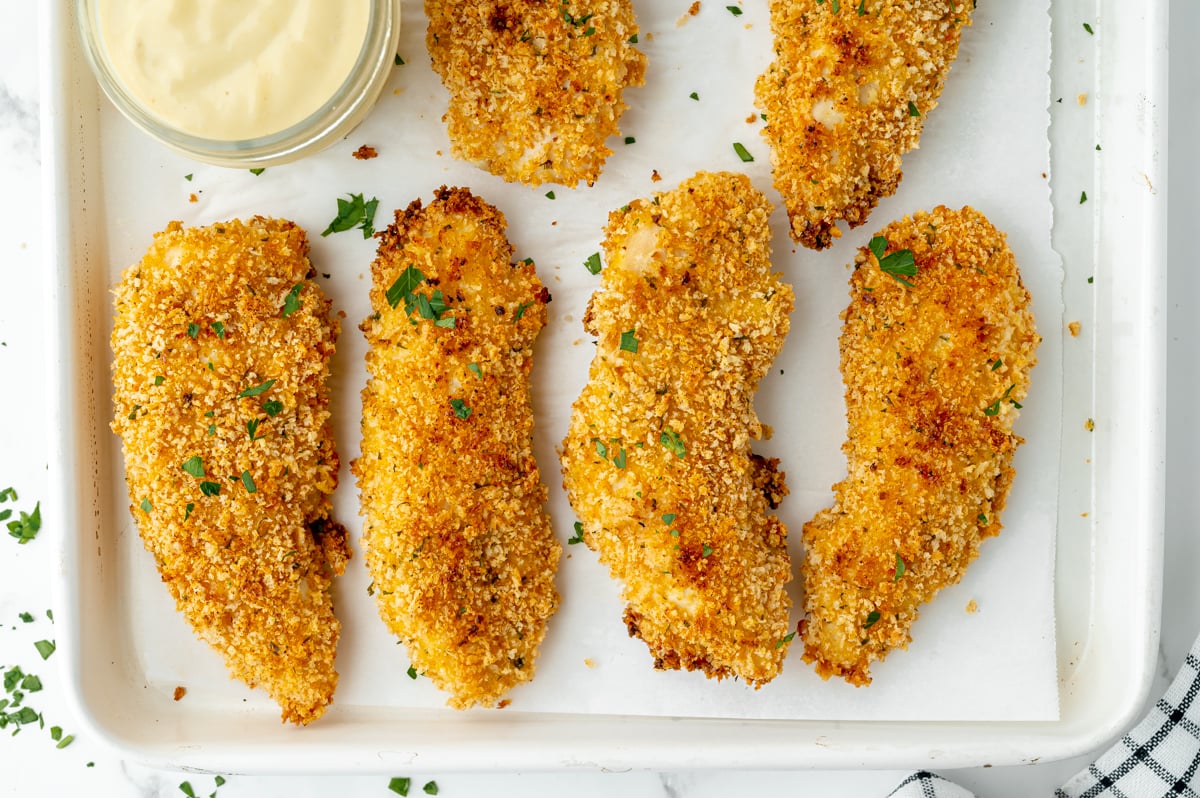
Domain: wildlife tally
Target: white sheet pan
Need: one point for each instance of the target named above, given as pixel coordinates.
(1109, 482)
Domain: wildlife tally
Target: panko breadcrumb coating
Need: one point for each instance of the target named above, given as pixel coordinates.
(457, 540)
(535, 87)
(657, 461)
(221, 349)
(935, 372)
(846, 97)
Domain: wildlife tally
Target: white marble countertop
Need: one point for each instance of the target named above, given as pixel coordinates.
(30, 763)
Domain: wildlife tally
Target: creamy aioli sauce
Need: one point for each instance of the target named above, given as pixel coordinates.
(232, 69)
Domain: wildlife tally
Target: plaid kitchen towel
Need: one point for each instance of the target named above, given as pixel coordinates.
(1160, 758)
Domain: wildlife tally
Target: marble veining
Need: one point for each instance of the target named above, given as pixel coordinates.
(19, 124)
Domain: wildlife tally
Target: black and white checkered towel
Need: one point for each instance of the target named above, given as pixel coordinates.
(1160, 758)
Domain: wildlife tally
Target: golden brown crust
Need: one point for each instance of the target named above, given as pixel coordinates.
(935, 374)
(457, 541)
(702, 564)
(846, 97)
(535, 87)
(203, 317)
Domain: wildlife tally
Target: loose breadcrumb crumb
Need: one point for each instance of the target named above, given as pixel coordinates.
(535, 87)
(221, 348)
(1074, 328)
(657, 461)
(846, 97)
(365, 153)
(972, 607)
(457, 541)
(935, 373)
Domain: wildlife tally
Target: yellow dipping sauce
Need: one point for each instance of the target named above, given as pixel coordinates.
(231, 70)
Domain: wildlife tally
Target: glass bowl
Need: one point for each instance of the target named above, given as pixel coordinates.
(335, 118)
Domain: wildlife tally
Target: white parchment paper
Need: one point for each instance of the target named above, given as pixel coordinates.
(986, 145)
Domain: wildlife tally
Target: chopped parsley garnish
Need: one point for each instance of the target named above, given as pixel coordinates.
(707, 550)
(291, 302)
(673, 443)
(1082, 197)
(354, 212)
(404, 285)
(997, 364)
(460, 409)
(900, 568)
(193, 330)
(252, 429)
(398, 61)
(210, 488)
(1088, 28)
(25, 617)
(159, 379)
(272, 407)
(412, 672)
(592, 264)
(187, 511)
(45, 648)
(549, 195)
(781, 642)
(188, 177)
(186, 789)
(146, 505)
(194, 466)
(619, 458)
(695, 96)
(862, 8)
(633, 39)
(737, 12)
(257, 390)
(872, 619)
(629, 341)
(430, 788)
(578, 535)
(475, 369)
(219, 329)
(400, 785)
(994, 408)
(981, 518)
(912, 109)
(521, 308)
(630, 140)
(248, 482)
(257, 171)
(668, 518)
(898, 263)
(601, 449)
(742, 152)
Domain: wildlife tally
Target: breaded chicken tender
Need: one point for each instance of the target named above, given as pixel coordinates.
(846, 97)
(657, 460)
(535, 87)
(457, 540)
(221, 349)
(936, 349)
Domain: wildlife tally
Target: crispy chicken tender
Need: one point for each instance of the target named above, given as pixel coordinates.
(221, 350)
(846, 96)
(535, 87)
(457, 540)
(657, 460)
(935, 374)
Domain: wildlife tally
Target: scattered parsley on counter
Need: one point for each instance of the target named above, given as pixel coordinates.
(549, 195)
(630, 140)
(188, 177)
(430, 788)
(412, 672)
(398, 61)
(695, 96)
(742, 152)
(186, 789)
(27, 525)
(737, 12)
(399, 785)
(1082, 197)
(1088, 28)
(45, 648)
(578, 535)
(352, 213)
